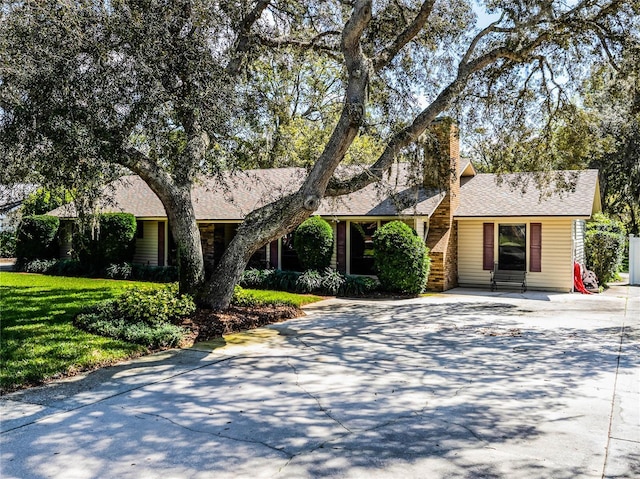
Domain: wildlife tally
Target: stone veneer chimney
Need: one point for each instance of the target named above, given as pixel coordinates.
(442, 172)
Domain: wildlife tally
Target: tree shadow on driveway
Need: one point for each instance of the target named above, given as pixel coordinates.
(415, 389)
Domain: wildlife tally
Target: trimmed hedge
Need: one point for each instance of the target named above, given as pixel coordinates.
(36, 238)
(313, 243)
(401, 258)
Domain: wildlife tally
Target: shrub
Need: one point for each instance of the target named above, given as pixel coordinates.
(114, 242)
(313, 243)
(242, 298)
(119, 271)
(154, 337)
(157, 274)
(358, 286)
(282, 280)
(332, 281)
(7, 244)
(36, 237)
(154, 306)
(401, 258)
(604, 246)
(68, 267)
(40, 266)
(256, 278)
(309, 281)
(140, 316)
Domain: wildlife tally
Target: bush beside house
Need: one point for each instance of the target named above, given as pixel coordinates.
(605, 240)
(36, 238)
(313, 243)
(108, 251)
(401, 259)
(112, 242)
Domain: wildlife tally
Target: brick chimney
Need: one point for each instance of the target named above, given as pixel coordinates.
(442, 172)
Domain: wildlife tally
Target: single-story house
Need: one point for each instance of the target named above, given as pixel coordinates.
(469, 223)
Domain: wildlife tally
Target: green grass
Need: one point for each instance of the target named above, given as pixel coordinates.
(37, 338)
(280, 297)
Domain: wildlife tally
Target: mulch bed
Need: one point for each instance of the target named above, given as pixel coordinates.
(205, 324)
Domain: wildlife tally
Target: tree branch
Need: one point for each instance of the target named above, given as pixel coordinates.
(312, 44)
(243, 42)
(383, 58)
(466, 69)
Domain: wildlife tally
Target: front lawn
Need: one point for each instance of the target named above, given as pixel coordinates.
(37, 338)
(39, 342)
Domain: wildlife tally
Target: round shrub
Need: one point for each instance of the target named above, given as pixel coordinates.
(36, 237)
(401, 258)
(313, 243)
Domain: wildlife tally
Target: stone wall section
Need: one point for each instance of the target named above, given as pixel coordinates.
(442, 238)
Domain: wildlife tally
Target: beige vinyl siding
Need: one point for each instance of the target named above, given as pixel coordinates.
(579, 227)
(334, 255)
(147, 247)
(470, 272)
(557, 257)
(557, 254)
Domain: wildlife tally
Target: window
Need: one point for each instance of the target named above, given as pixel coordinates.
(140, 229)
(361, 248)
(290, 261)
(512, 247)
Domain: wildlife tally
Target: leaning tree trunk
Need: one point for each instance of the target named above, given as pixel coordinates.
(177, 202)
(272, 221)
(259, 228)
(186, 235)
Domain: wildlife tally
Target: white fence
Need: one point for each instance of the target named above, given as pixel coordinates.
(634, 260)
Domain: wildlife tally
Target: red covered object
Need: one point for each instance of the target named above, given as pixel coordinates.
(577, 279)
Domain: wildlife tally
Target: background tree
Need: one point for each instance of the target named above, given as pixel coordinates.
(143, 84)
(44, 200)
(599, 128)
(612, 97)
(154, 86)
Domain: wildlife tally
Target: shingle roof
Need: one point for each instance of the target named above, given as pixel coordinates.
(240, 193)
(518, 194)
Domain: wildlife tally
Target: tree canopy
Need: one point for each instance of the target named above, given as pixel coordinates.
(176, 89)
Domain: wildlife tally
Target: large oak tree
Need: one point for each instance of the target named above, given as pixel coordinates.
(160, 87)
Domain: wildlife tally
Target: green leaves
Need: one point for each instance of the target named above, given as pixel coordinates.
(604, 246)
(313, 242)
(401, 258)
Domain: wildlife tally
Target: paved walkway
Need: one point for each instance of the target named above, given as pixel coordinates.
(458, 385)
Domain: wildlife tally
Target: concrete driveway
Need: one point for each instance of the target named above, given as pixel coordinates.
(459, 385)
